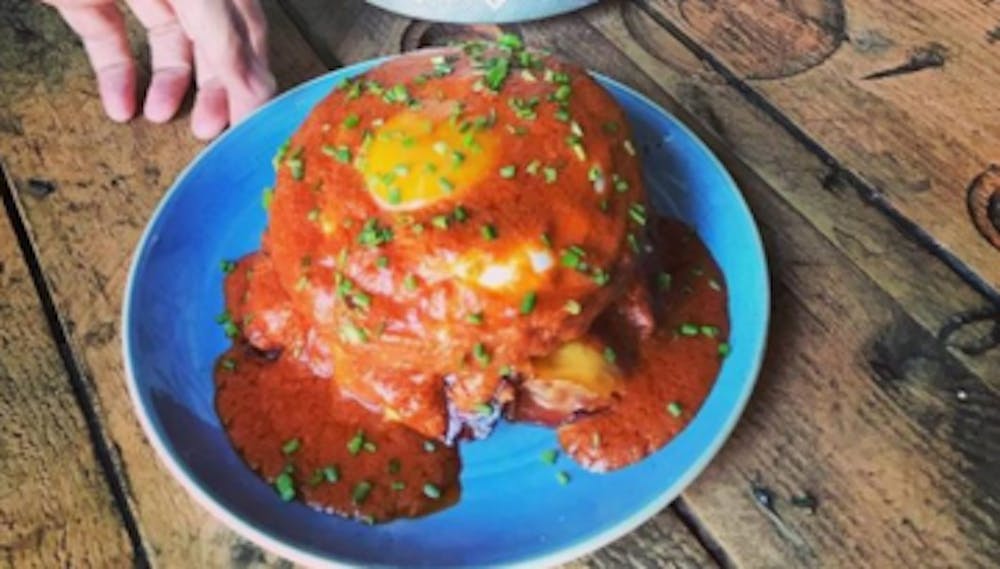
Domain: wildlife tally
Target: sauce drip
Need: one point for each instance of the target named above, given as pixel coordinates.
(312, 443)
(299, 432)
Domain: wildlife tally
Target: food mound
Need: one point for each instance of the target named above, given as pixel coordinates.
(458, 236)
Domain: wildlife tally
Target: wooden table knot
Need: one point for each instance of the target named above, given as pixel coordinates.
(984, 204)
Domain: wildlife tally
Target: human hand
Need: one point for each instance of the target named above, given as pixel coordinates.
(223, 41)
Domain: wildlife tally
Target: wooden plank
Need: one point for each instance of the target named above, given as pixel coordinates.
(860, 403)
(917, 137)
(56, 509)
(107, 179)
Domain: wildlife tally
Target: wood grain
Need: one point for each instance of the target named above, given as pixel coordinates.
(861, 404)
(56, 509)
(907, 103)
(106, 179)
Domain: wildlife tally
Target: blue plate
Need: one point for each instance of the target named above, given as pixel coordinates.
(512, 511)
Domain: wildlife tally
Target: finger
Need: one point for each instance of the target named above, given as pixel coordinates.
(102, 29)
(256, 26)
(210, 114)
(170, 51)
(218, 30)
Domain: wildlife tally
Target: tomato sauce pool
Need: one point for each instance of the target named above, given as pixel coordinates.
(292, 426)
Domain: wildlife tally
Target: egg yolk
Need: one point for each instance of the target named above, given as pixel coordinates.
(418, 157)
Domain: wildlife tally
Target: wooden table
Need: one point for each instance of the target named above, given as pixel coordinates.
(865, 135)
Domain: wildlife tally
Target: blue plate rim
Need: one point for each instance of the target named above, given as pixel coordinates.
(155, 436)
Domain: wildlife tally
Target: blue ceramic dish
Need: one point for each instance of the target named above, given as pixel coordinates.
(512, 510)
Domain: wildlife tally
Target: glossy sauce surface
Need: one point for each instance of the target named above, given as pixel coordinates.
(265, 403)
(457, 237)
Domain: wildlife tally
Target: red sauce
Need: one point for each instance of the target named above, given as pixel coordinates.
(671, 371)
(366, 330)
(284, 419)
(266, 403)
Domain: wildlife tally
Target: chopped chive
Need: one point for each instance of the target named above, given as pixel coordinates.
(576, 129)
(417, 228)
(663, 281)
(601, 277)
(227, 267)
(361, 491)
(357, 441)
(551, 175)
(609, 355)
(595, 173)
(369, 447)
(395, 195)
(604, 205)
(505, 371)
(528, 303)
(313, 214)
(429, 446)
(285, 486)
(508, 172)
(550, 456)
(352, 120)
(440, 147)
(279, 155)
(362, 300)
(302, 283)
(382, 262)
(489, 232)
(528, 76)
(398, 486)
(546, 240)
(573, 307)
(475, 318)
(633, 242)
(714, 285)
(610, 127)
(483, 408)
(440, 221)
(510, 42)
(353, 334)
(373, 235)
(621, 186)
(291, 446)
(457, 158)
(562, 478)
(578, 149)
(228, 364)
(562, 93)
(480, 354)
(430, 168)
(533, 167)
(724, 349)
(710, 331)
(394, 466)
(432, 491)
(675, 409)
(331, 474)
(397, 94)
(460, 214)
(572, 257)
(267, 197)
(496, 73)
(410, 282)
(316, 478)
(562, 115)
(446, 186)
(637, 212)
(688, 329)
(629, 148)
(340, 153)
